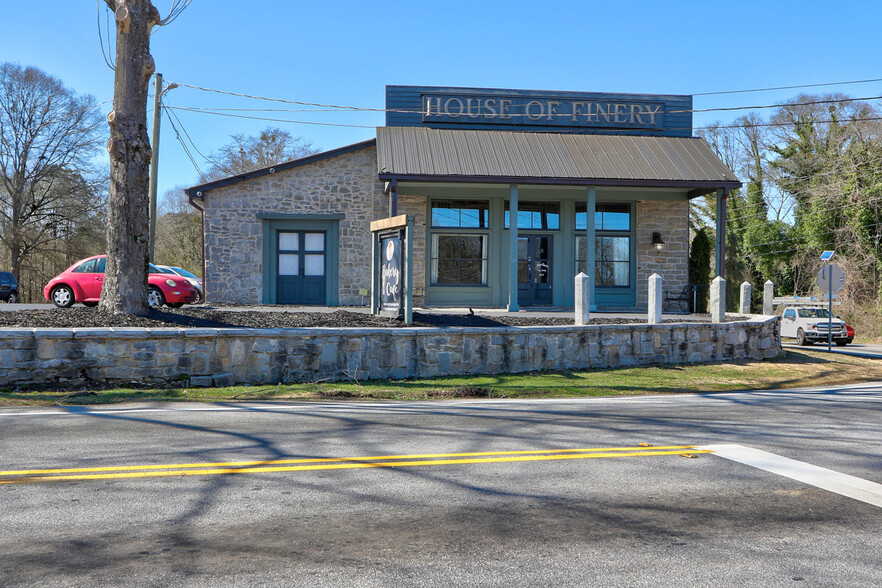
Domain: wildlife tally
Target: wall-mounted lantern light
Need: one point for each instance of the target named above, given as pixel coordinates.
(657, 242)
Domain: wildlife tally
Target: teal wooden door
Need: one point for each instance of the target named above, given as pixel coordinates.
(301, 267)
(534, 270)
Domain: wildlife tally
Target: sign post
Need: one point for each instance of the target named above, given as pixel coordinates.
(830, 286)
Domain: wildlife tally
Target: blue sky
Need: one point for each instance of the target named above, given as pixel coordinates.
(346, 52)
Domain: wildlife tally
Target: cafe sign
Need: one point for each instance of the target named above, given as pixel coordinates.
(390, 273)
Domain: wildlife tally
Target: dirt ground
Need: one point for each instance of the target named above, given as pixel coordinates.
(79, 317)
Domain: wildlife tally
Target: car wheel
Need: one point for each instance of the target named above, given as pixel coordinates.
(90, 304)
(62, 296)
(155, 299)
(800, 338)
(842, 343)
(13, 298)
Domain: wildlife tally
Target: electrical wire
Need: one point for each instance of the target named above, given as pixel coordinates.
(282, 120)
(177, 7)
(347, 108)
(184, 146)
(183, 128)
(839, 230)
(787, 87)
(106, 54)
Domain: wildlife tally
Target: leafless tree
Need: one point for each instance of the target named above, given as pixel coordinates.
(247, 153)
(48, 136)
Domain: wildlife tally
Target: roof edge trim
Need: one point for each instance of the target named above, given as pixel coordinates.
(633, 183)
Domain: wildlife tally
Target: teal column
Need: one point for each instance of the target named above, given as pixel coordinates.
(721, 232)
(513, 250)
(591, 264)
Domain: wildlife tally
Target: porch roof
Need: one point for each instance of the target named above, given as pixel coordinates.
(419, 153)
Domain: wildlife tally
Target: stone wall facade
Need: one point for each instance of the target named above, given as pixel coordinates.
(670, 218)
(223, 357)
(345, 184)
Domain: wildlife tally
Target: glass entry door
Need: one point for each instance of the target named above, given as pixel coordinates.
(534, 270)
(301, 267)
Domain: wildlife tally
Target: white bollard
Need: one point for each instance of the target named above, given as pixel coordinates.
(583, 295)
(654, 316)
(768, 295)
(718, 300)
(744, 302)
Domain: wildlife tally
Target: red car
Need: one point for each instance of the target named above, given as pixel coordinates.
(82, 282)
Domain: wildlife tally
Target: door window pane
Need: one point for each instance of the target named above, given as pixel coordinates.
(314, 264)
(289, 241)
(289, 264)
(315, 242)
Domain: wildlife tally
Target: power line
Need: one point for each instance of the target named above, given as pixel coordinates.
(108, 58)
(841, 229)
(183, 128)
(298, 122)
(787, 87)
(184, 146)
(337, 107)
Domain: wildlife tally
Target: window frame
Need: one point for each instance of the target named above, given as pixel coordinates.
(436, 232)
(600, 233)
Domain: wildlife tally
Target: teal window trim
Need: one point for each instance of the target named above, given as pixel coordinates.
(631, 233)
(299, 217)
(329, 224)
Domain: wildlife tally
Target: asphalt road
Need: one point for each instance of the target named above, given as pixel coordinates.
(869, 350)
(454, 493)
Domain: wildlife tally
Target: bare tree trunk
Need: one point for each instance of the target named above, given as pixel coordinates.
(125, 280)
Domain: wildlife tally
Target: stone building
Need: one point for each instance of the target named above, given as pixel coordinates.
(507, 189)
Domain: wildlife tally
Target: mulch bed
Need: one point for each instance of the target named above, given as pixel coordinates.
(79, 317)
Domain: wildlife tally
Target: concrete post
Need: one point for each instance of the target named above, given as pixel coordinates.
(718, 300)
(654, 316)
(583, 298)
(744, 302)
(768, 295)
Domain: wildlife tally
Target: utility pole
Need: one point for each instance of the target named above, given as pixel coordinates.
(154, 162)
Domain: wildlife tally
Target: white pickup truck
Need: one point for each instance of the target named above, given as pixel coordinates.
(808, 324)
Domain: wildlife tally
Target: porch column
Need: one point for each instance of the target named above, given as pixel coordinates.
(590, 264)
(393, 198)
(513, 250)
(722, 195)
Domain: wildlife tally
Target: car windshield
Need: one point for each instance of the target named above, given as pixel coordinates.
(160, 270)
(181, 271)
(813, 313)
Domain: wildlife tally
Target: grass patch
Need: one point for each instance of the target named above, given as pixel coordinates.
(796, 369)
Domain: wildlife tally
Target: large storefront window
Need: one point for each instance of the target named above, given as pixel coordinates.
(612, 243)
(459, 260)
(535, 215)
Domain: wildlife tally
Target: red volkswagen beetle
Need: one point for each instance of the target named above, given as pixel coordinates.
(82, 282)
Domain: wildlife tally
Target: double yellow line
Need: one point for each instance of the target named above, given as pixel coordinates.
(333, 463)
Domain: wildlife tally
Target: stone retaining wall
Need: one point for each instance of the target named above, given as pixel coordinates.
(221, 357)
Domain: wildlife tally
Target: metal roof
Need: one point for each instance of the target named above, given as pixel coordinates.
(419, 153)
